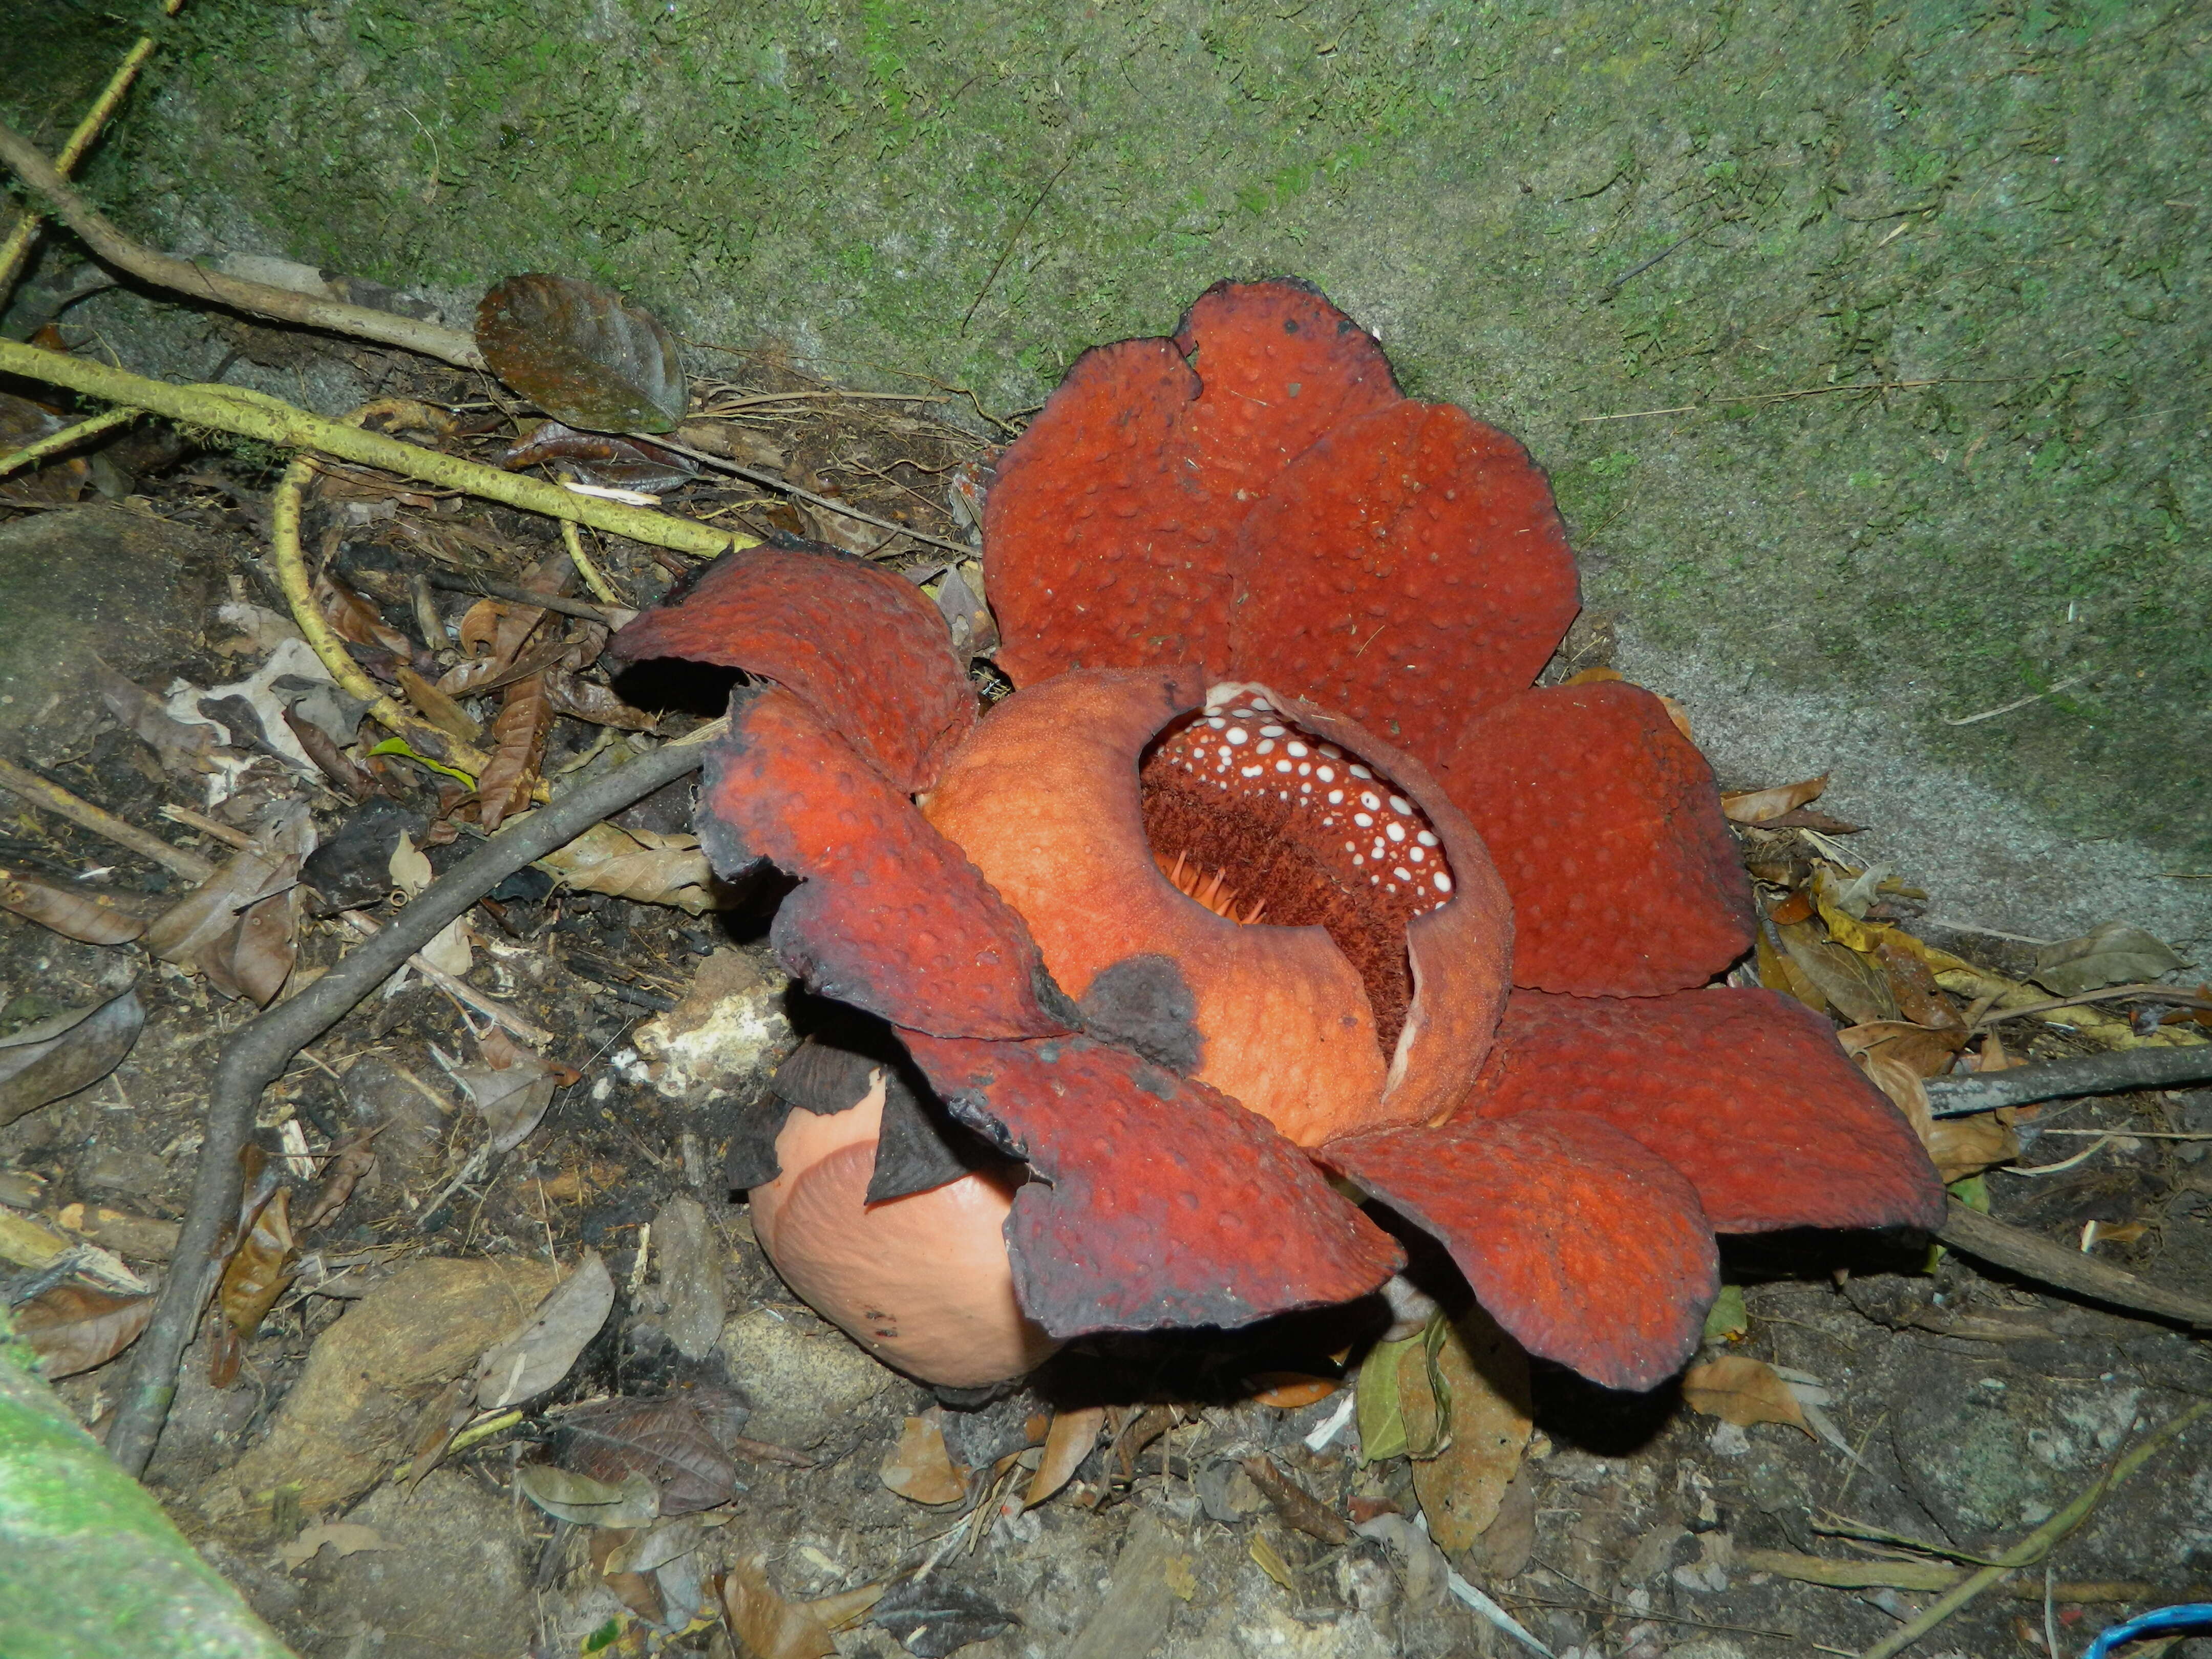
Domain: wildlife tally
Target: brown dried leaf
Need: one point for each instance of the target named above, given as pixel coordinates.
(766, 1626)
(1913, 982)
(440, 709)
(599, 458)
(539, 1354)
(1845, 978)
(637, 864)
(261, 1267)
(1778, 971)
(2115, 953)
(1764, 805)
(670, 1441)
(355, 620)
(91, 919)
(1928, 1053)
(22, 424)
(920, 1469)
(184, 747)
(587, 700)
(53, 1058)
(518, 738)
(1741, 1391)
(353, 1159)
(582, 353)
(72, 1329)
(1067, 1443)
(510, 1086)
(240, 928)
(1957, 1146)
(1486, 1374)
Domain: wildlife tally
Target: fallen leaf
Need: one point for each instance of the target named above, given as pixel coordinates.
(539, 1354)
(2115, 953)
(1762, 806)
(1957, 1146)
(261, 1267)
(354, 619)
(1380, 1419)
(24, 423)
(1929, 1053)
(408, 868)
(1779, 970)
(598, 458)
(1741, 1391)
(918, 1468)
(518, 743)
(960, 602)
(637, 864)
(90, 919)
(1272, 1563)
(438, 709)
(1481, 1417)
(766, 1626)
(583, 1501)
(587, 700)
(240, 929)
(582, 353)
(1727, 1320)
(1067, 1443)
(1913, 982)
(1844, 977)
(1425, 1567)
(1297, 1507)
(511, 1086)
(931, 1617)
(72, 1329)
(343, 1537)
(350, 1160)
(183, 747)
(670, 1440)
(53, 1058)
(1506, 1545)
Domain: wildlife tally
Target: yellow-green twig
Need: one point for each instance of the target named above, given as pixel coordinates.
(573, 540)
(253, 415)
(17, 247)
(2039, 1543)
(68, 438)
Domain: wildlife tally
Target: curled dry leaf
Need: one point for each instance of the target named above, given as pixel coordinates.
(1741, 1391)
(90, 919)
(598, 705)
(355, 620)
(637, 864)
(1479, 1418)
(2116, 953)
(240, 929)
(518, 741)
(56, 1057)
(766, 1626)
(1764, 805)
(261, 1267)
(1856, 987)
(72, 1329)
(920, 1469)
(582, 353)
(539, 1354)
(1957, 1146)
(184, 747)
(350, 1160)
(1067, 1443)
(932, 1616)
(1929, 1053)
(598, 458)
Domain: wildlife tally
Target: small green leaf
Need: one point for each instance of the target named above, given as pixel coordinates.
(1381, 1420)
(398, 746)
(1728, 1321)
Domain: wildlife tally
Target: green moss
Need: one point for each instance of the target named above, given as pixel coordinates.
(1554, 214)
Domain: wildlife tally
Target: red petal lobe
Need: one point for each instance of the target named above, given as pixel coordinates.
(1588, 1248)
(863, 648)
(1746, 1092)
(1160, 1201)
(1605, 823)
(890, 917)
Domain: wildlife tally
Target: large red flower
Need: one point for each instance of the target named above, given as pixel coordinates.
(1272, 865)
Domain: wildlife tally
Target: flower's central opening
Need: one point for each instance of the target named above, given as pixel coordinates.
(1270, 825)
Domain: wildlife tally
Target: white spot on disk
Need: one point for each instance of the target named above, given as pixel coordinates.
(1443, 882)
(1401, 807)
(1363, 820)
(1235, 734)
(1395, 832)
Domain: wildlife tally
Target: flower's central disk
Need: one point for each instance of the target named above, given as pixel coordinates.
(1266, 823)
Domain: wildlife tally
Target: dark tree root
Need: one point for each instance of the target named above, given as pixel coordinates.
(260, 1050)
(2056, 1079)
(2039, 1259)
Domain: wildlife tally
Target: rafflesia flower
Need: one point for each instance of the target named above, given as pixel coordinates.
(1273, 869)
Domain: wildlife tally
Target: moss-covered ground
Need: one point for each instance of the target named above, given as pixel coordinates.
(1866, 342)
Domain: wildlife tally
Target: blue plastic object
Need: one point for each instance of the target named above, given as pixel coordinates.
(2189, 1615)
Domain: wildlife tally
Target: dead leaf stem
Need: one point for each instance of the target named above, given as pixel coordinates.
(2055, 1265)
(258, 1053)
(58, 800)
(108, 242)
